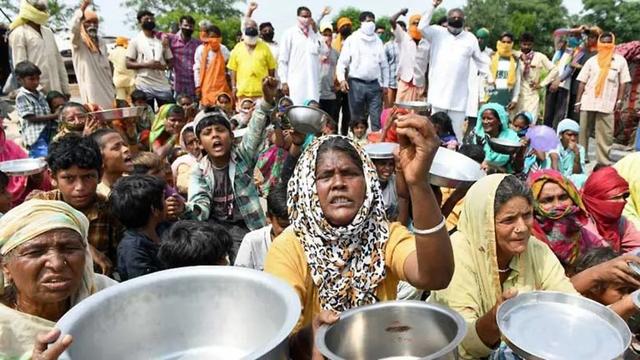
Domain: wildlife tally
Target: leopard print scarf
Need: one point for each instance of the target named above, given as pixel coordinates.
(346, 263)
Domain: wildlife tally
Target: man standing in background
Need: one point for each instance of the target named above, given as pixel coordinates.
(183, 47)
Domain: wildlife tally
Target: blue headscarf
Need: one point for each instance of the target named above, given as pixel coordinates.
(506, 133)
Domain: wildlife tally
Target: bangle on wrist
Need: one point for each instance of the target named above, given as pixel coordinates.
(578, 103)
(433, 230)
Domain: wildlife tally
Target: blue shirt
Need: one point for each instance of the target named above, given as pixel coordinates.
(137, 254)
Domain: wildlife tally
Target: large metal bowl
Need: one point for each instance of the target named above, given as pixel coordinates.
(450, 169)
(504, 146)
(394, 329)
(201, 312)
(118, 113)
(306, 120)
(552, 325)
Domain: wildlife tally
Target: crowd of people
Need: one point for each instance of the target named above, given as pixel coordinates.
(209, 171)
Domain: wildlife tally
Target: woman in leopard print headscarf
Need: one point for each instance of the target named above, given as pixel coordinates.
(340, 251)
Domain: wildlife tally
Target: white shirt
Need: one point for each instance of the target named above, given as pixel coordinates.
(143, 49)
(198, 55)
(449, 59)
(413, 58)
(477, 83)
(299, 64)
(253, 249)
(365, 58)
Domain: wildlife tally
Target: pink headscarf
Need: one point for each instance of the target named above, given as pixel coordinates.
(11, 151)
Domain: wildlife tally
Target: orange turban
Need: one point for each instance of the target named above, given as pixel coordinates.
(122, 41)
(413, 29)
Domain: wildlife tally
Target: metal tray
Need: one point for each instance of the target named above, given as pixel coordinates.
(414, 105)
(383, 150)
(23, 167)
(450, 169)
(119, 113)
(553, 325)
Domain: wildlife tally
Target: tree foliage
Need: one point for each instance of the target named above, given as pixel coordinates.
(349, 12)
(622, 17)
(540, 17)
(218, 8)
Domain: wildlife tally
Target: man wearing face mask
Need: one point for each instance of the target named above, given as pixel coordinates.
(150, 58)
(183, 47)
(250, 62)
(413, 58)
(267, 32)
(31, 40)
(209, 69)
(299, 60)
(452, 49)
(90, 59)
(364, 58)
(506, 72)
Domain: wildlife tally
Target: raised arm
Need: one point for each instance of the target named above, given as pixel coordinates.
(425, 20)
(254, 138)
(394, 18)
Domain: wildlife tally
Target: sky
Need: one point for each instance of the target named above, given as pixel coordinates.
(281, 13)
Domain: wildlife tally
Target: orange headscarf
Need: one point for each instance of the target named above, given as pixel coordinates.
(413, 29)
(88, 16)
(213, 79)
(605, 55)
(122, 41)
(337, 42)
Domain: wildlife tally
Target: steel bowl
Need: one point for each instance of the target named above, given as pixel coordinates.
(414, 105)
(393, 329)
(306, 120)
(381, 151)
(552, 325)
(504, 146)
(451, 168)
(203, 312)
(23, 167)
(119, 113)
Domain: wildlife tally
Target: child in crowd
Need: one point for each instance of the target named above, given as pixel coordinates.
(225, 103)
(521, 123)
(138, 202)
(5, 196)
(148, 163)
(569, 157)
(56, 100)
(533, 159)
(256, 244)
(382, 156)
(191, 153)
(139, 98)
(359, 128)
(75, 164)
(444, 127)
(166, 128)
(221, 187)
(116, 159)
(185, 101)
(38, 124)
(605, 293)
(244, 113)
(195, 243)
(271, 160)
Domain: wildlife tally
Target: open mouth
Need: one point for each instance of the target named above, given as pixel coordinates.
(341, 201)
(217, 145)
(57, 283)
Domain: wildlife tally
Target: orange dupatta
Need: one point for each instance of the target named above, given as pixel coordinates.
(605, 55)
(213, 80)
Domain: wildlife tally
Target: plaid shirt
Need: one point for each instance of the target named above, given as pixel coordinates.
(243, 161)
(183, 60)
(391, 50)
(105, 231)
(29, 103)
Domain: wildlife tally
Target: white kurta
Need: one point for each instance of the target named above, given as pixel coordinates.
(93, 70)
(477, 83)
(299, 65)
(449, 64)
(41, 49)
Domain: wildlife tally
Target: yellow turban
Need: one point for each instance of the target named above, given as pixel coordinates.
(122, 41)
(29, 13)
(342, 22)
(36, 217)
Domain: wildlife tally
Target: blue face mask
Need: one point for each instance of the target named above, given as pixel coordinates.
(573, 42)
(523, 132)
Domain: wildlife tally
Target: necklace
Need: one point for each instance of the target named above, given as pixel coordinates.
(502, 271)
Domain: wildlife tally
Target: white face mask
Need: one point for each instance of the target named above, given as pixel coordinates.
(368, 28)
(454, 31)
(304, 21)
(250, 40)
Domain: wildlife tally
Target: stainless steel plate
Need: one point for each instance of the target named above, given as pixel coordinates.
(450, 169)
(414, 105)
(504, 146)
(119, 113)
(552, 325)
(23, 167)
(383, 150)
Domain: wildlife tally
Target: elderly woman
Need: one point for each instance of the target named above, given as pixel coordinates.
(605, 196)
(166, 128)
(496, 257)
(494, 123)
(629, 168)
(341, 251)
(47, 270)
(560, 217)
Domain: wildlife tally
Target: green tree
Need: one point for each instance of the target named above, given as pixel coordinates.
(350, 12)
(228, 26)
(438, 14)
(622, 17)
(59, 13)
(540, 17)
(221, 8)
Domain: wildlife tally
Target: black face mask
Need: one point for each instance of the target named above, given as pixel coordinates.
(148, 25)
(455, 22)
(187, 32)
(345, 31)
(268, 36)
(251, 31)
